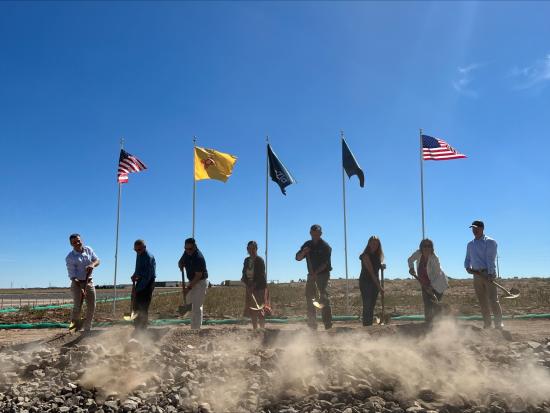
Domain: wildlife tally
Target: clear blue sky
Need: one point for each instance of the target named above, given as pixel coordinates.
(76, 76)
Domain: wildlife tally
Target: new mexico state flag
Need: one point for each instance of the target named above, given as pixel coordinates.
(211, 164)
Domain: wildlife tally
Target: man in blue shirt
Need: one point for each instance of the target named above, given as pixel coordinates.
(81, 262)
(480, 261)
(144, 279)
(194, 264)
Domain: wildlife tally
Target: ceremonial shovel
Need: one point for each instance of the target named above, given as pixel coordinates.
(511, 293)
(317, 300)
(133, 315)
(258, 307)
(383, 318)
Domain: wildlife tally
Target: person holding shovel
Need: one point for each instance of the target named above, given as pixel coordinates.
(481, 254)
(255, 280)
(317, 254)
(81, 262)
(431, 277)
(143, 281)
(372, 259)
(194, 264)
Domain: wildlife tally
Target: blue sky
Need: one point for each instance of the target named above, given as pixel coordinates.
(77, 76)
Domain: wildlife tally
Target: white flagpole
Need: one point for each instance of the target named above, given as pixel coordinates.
(422, 185)
(345, 229)
(117, 230)
(194, 184)
(266, 201)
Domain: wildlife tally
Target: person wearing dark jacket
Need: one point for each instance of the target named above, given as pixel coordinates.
(254, 278)
(144, 279)
(194, 264)
(317, 255)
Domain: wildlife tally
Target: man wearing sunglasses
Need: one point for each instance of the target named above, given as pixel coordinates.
(144, 279)
(194, 264)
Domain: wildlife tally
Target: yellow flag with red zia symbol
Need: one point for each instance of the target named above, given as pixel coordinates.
(211, 164)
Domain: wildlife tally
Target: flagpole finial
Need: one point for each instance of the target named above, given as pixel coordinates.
(266, 138)
(194, 140)
(342, 133)
(121, 142)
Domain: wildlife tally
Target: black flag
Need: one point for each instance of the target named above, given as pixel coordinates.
(278, 171)
(350, 164)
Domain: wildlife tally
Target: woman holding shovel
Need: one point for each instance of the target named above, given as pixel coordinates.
(431, 277)
(369, 282)
(255, 280)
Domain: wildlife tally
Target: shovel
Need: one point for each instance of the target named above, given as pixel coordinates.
(317, 300)
(133, 315)
(258, 307)
(510, 294)
(433, 297)
(76, 325)
(384, 319)
(184, 308)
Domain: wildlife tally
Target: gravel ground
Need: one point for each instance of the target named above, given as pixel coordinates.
(288, 369)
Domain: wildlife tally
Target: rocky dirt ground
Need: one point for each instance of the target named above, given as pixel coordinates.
(396, 368)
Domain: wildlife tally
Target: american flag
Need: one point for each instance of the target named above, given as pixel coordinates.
(128, 163)
(434, 149)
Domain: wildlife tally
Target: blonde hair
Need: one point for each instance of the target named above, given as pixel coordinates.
(379, 251)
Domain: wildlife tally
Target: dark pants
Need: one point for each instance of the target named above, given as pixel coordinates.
(322, 284)
(142, 300)
(431, 309)
(369, 294)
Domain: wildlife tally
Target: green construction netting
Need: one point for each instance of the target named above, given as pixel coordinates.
(245, 321)
(69, 305)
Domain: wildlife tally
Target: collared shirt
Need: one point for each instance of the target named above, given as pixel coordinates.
(319, 254)
(481, 255)
(78, 261)
(193, 263)
(145, 270)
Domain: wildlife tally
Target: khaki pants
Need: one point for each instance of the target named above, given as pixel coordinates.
(197, 295)
(76, 290)
(487, 296)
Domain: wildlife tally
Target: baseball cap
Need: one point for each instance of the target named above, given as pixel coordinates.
(477, 224)
(315, 227)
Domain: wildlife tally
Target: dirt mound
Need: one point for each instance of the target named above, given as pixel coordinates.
(449, 368)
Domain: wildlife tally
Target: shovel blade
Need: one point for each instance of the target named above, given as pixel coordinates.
(130, 317)
(317, 304)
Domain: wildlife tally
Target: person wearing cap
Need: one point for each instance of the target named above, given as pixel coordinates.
(81, 262)
(480, 261)
(144, 279)
(317, 254)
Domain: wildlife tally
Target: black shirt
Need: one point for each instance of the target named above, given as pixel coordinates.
(193, 263)
(376, 265)
(319, 254)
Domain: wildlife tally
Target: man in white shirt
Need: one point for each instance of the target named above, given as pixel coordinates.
(81, 262)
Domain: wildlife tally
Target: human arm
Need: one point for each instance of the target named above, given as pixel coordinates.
(411, 260)
(303, 252)
(467, 260)
(93, 264)
(491, 256)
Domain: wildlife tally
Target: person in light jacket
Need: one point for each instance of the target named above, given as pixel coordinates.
(431, 277)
